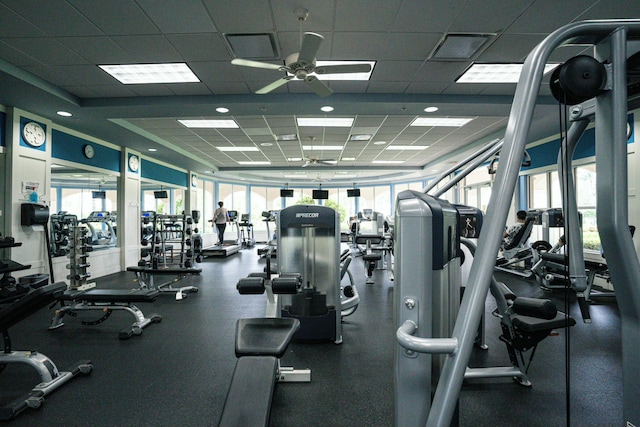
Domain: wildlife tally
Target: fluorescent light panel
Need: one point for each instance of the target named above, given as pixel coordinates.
(151, 73)
(287, 137)
(210, 124)
(325, 121)
(321, 147)
(294, 159)
(258, 162)
(348, 159)
(343, 76)
(496, 73)
(360, 137)
(238, 149)
(388, 162)
(441, 121)
(407, 147)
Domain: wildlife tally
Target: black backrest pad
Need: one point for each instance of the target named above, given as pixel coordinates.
(264, 336)
(29, 304)
(522, 235)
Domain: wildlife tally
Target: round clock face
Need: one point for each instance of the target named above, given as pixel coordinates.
(194, 181)
(133, 163)
(88, 151)
(33, 134)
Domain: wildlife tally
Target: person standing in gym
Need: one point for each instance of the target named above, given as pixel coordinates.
(220, 218)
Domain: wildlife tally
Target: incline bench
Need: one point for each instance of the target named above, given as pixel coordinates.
(50, 377)
(107, 300)
(144, 276)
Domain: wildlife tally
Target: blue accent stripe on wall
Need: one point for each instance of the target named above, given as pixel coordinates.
(69, 147)
(157, 172)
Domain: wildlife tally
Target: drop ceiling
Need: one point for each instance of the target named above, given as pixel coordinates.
(50, 51)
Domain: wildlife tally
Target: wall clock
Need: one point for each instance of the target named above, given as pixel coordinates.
(88, 151)
(33, 134)
(134, 163)
(194, 181)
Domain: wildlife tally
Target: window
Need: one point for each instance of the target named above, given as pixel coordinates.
(586, 201)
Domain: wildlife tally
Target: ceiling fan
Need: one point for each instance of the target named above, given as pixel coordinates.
(302, 64)
(316, 161)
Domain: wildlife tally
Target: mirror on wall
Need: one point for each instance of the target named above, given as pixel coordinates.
(91, 199)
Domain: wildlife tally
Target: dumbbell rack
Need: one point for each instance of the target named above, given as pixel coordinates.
(77, 254)
(183, 238)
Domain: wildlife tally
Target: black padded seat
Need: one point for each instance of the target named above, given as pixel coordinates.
(248, 401)
(374, 239)
(535, 324)
(372, 257)
(264, 336)
(109, 295)
(29, 304)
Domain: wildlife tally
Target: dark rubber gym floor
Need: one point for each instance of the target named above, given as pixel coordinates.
(178, 371)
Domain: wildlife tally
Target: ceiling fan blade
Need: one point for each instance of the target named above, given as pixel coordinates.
(318, 87)
(275, 85)
(255, 64)
(310, 45)
(347, 68)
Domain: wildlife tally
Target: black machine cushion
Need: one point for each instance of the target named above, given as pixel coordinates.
(535, 307)
(535, 324)
(250, 285)
(285, 285)
(249, 398)
(264, 336)
(31, 302)
(372, 257)
(556, 258)
(374, 239)
(520, 235)
(109, 295)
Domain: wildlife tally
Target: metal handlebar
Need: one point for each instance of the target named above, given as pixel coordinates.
(404, 336)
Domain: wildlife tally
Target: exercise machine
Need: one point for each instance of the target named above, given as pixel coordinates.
(228, 247)
(272, 242)
(101, 229)
(309, 245)
(246, 231)
(50, 377)
(610, 39)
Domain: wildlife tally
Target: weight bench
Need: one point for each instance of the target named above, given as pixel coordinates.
(260, 343)
(144, 276)
(106, 301)
(370, 255)
(50, 377)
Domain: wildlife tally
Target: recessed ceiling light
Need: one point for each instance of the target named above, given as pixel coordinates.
(258, 162)
(151, 73)
(388, 162)
(294, 159)
(360, 137)
(441, 121)
(287, 137)
(327, 108)
(407, 147)
(431, 109)
(322, 147)
(152, 149)
(238, 149)
(212, 124)
(495, 73)
(325, 121)
(222, 110)
(77, 175)
(64, 113)
(379, 142)
(298, 175)
(348, 159)
(266, 144)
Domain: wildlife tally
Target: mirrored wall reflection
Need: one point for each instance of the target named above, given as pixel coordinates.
(86, 199)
